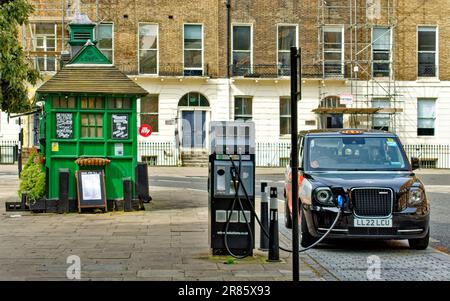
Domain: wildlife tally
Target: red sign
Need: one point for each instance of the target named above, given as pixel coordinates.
(145, 130)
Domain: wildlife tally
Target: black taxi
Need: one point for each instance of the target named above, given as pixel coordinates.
(383, 197)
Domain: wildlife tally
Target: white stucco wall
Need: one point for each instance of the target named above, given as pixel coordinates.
(8, 130)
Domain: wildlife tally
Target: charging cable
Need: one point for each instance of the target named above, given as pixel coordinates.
(338, 215)
(235, 175)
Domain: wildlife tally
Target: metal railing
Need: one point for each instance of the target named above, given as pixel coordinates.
(272, 154)
(277, 154)
(168, 69)
(8, 151)
(158, 153)
(430, 156)
(426, 70)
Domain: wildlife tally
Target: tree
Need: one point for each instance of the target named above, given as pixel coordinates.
(15, 71)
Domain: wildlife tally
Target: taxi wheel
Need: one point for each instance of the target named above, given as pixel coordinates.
(287, 215)
(307, 239)
(419, 243)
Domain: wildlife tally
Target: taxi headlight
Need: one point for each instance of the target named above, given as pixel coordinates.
(324, 196)
(415, 196)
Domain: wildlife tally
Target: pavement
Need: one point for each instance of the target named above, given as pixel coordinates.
(167, 241)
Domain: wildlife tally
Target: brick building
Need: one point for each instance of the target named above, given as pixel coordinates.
(379, 64)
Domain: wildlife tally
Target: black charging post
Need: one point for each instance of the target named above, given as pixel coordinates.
(274, 250)
(264, 240)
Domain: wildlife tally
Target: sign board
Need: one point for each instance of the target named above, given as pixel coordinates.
(91, 189)
(64, 125)
(346, 99)
(118, 149)
(55, 147)
(145, 130)
(119, 125)
(170, 121)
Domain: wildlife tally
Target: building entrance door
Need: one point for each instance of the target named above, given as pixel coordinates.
(193, 129)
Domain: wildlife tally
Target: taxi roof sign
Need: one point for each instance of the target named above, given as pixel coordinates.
(352, 132)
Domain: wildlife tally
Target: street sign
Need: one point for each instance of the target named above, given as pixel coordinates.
(145, 130)
(346, 99)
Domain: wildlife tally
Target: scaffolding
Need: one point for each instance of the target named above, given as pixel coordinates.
(348, 55)
(46, 35)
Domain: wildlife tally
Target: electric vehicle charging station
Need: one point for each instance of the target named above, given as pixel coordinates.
(231, 188)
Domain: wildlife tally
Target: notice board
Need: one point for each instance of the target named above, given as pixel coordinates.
(64, 125)
(91, 189)
(119, 123)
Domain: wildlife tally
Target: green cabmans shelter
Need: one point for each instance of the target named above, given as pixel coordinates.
(89, 123)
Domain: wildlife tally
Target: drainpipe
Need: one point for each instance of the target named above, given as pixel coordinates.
(228, 5)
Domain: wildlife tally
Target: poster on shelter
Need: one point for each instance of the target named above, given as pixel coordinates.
(92, 187)
(119, 126)
(64, 125)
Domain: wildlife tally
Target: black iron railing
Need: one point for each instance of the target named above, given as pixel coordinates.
(168, 69)
(427, 70)
(8, 151)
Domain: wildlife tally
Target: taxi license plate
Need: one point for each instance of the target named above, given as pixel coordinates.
(373, 222)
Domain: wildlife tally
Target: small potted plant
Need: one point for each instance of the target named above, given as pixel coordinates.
(32, 181)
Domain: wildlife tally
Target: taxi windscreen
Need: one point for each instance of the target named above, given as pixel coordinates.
(355, 153)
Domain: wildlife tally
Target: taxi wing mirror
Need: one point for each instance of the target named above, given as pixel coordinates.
(415, 163)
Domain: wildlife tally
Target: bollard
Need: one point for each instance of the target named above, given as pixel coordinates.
(127, 195)
(264, 240)
(63, 201)
(274, 252)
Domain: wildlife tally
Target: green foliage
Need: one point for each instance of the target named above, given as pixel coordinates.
(32, 177)
(15, 71)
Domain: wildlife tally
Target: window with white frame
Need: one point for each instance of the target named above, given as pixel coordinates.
(242, 49)
(426, 116)
(105, 42)
(193, 49)
(150, 111)
(381, 51)
(287, 37)
(148, 48)
(381, 121)
(426, 47)
(45, 41)
(285, 115)
(242, 108)
(333, 51)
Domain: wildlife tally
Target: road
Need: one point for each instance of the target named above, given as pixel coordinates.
(349, 260)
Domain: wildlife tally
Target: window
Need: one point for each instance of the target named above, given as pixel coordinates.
(105, 42)
(381, 51)
(426, 116)
(193, 99)
(148, 48)
(242, 49)
(149, 111)
(45, 41)
(287, 37)
(332, 51)
(119, 103)
(242, 108)
(381, 121)
(193, 50)
(91, 125)
(92, 102)
(427, 51)
(67, 102)
(285, 115)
